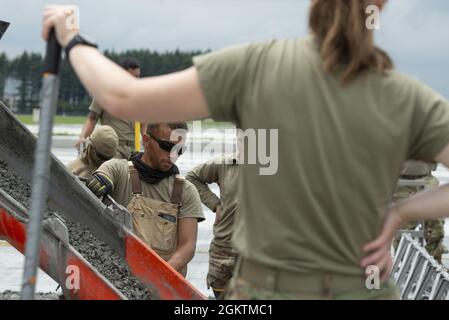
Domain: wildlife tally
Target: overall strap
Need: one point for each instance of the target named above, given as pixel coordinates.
(178, 190)
(136, 184)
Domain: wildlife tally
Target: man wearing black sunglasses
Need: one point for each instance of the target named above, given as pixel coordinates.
(168, 145)
(165, 208)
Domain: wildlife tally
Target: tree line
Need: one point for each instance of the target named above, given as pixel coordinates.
(21, 76)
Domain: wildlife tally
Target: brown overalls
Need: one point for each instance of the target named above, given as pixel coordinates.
(154, 221)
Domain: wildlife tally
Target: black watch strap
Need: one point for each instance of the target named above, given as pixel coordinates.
(79, 39)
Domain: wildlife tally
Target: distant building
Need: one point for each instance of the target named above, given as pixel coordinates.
(10, 95)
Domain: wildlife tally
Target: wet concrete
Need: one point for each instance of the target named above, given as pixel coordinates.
(101, 256)
(104, 259)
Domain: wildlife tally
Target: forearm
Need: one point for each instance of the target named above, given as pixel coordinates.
(182, 256)
(168, 98)
(425, 205)
(88, 128)
(208, 198)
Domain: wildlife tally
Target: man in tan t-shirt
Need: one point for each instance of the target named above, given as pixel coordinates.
(124, 128)
(222, 170)
(165, 208)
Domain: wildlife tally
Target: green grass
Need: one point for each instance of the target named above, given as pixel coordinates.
(28, 119)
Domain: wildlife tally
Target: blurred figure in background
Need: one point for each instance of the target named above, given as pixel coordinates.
(222, 170)
(124, 128)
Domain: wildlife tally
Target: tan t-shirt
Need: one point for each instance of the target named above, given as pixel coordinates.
(341, 150)
(117, 170)
(123, 128)
(222, 170)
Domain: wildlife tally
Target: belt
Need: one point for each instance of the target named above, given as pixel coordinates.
(293, 282)
(126, 143)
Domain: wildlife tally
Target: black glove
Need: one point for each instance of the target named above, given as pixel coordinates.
(100, 184)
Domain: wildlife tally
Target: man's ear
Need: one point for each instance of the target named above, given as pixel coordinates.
(143, 128)
(145, 138)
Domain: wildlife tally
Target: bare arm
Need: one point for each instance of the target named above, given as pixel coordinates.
(428, 205)
(88, 128)
(173, 97)
(187, 234)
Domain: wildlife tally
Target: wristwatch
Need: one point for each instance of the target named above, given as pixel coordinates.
(80, 39)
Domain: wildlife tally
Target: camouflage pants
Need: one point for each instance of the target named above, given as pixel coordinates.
(240, 289)
(433, 236)
(433, 229)
(221, 266)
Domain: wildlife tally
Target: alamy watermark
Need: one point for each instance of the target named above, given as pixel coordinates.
(72, 22)
(251, 146)
(372, 22)
(372, 281)
(72, 282)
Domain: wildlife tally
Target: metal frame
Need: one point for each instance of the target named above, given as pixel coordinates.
(417, 274)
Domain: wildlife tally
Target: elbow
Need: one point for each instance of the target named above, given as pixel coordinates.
(191, 178)
(119, 102)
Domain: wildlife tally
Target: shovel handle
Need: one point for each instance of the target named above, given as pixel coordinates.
(52, 55)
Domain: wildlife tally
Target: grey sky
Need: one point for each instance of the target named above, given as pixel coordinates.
(414, 32)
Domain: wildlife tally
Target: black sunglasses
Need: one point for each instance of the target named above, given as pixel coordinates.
(167, 145)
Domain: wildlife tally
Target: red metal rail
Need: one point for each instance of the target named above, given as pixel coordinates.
(55, 258)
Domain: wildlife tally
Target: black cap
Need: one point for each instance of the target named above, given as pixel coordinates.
(3, 26)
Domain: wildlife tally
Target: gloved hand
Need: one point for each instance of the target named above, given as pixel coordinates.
(79, 142)
(100, 184)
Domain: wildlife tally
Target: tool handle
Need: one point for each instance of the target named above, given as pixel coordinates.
(52, 55)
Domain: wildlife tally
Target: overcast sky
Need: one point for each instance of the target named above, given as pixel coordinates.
(414, 32)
